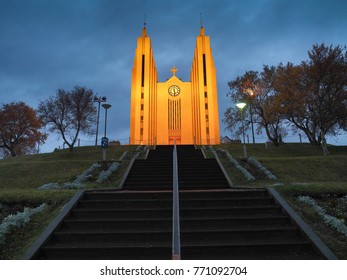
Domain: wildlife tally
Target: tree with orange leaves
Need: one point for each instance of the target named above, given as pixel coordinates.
(19, 129)
(257, 91)
(314, 94)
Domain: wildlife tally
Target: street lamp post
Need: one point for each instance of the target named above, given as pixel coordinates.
(99, 100)
(242, 105)
(251, 95)
(251, 115)
(104, 141)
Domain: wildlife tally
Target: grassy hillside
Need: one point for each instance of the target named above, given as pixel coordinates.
(21, 176)
(293, 162)
(32, 171)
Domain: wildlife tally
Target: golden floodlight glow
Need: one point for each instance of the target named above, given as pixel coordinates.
(250, 92)
(161, 112)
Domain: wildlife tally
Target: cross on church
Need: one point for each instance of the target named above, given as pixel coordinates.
(173, 70)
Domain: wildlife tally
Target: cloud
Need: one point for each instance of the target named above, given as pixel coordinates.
(46, 45)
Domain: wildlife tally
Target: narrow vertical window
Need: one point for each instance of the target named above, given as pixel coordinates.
(143, 71)
(204, 68)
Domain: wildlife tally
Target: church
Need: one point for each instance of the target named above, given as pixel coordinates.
(174, 110)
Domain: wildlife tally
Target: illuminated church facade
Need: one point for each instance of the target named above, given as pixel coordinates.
(161, 112)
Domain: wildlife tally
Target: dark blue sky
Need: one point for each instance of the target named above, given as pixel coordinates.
(46, 45)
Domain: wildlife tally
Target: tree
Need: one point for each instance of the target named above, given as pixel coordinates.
(256, 89)
(19, 129)
(69, 113)
(314, 93)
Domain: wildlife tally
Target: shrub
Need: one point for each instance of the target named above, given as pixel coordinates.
(49, 186)
(104, 175)
(262, 168)
(237, 165)
(328, 219)
(18, 220)
(72, 185)
(85, 175)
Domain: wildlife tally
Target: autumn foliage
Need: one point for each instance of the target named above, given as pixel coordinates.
(309, 98)
(19, 129)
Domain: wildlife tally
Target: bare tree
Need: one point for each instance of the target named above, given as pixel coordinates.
(69, 113)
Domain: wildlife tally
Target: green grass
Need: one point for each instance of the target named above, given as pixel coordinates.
(284, 150)
(336, 241)
(309, 169)
(21, 176)
(30, 172)
(20, 239)
(292, 162)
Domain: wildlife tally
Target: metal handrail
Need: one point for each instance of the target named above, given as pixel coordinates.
(176, 238)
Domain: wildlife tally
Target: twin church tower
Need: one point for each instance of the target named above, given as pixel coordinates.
(162, 112)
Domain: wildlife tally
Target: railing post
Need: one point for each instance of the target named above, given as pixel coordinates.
(176, 239)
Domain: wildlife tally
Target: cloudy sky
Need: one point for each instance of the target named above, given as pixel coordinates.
(50, 44)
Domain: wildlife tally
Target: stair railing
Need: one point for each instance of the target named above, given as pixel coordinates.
(176, 238)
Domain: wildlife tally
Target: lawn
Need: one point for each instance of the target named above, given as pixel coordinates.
(32, 171)
(331, 196)
(291, 163)
(21, 176)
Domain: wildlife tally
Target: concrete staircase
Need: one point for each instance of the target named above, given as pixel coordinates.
(153, 173)
(197, 173)
(239, 224)
(114, 225)
(217, 222)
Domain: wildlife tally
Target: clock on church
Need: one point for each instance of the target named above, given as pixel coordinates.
(174, 90)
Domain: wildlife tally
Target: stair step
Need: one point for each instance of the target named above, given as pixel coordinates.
(249, 223)
(116, 204)
(149, 180)
(251, 251)
(167, 203)
(126, 238)
(230, 212)
(115, 224)
(106, 252)
(230, 236)
(148, 185)
(223, 194)
(163, 236)
(120, 195)
(119, 213)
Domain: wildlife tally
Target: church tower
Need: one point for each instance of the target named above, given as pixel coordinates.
(143, 111)
(162, 112)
